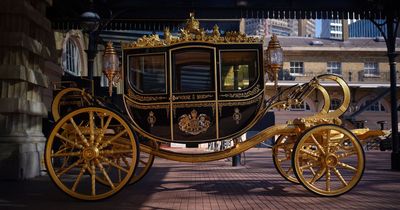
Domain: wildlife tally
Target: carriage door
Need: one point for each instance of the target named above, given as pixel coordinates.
(193, 94)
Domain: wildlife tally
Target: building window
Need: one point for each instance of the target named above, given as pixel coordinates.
(304, 106)
(296, 68)
(371, 69)
(72, 61)
(334, 67)
(376, 107)
(335, 103)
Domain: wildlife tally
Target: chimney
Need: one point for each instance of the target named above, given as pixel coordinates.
(345, 30)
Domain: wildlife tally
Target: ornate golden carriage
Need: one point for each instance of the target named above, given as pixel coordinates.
(194, 88)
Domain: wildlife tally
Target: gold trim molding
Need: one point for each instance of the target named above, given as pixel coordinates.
(191, 33)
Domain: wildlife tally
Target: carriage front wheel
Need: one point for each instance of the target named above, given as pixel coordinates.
(328, 160)
(81, 150)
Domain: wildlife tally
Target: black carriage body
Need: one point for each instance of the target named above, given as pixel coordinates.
(194, 92)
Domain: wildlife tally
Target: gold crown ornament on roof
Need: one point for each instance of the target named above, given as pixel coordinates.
(191, 32)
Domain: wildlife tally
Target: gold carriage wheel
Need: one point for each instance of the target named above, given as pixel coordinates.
(144, 164)
(282, 157)
(56, 105)
(328, 160)
(80, 148)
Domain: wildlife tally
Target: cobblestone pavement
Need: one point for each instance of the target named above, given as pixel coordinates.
(216, 185)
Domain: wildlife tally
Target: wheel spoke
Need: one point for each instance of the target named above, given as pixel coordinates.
(143, 162)
(78, 178)
(312, 154)
(104, 173)
(289, 170)
(317, 175)
(328, 139)
(112, 152)
(328, 179)
(112, 139)
(83, 138)
(91, 126)
(70, 167)
(115, 165)
(283, 159)
(347, 166)
(339, 175)
(93, 176)
(66, 154)
(69, 141)
(103, 130)
(318, 145)
(346, 154)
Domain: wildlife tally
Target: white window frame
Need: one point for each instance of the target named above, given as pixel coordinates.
(296, 68)
(371, 69)
(72, 63)
(334, 67)
(376, 107)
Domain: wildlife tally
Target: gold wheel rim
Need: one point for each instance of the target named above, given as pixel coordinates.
(144, 164)
(281, 155)
(337, 158)
(80, 148)
(56, 105)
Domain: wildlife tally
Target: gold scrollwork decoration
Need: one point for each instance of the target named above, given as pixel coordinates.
(238, 103)
(205, 96)
(191, 32)
(151, 119)
(137, 97)
(251, 92)
(193, 123)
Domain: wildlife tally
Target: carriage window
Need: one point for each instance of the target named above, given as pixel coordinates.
(238, 70)
(193, 70)
(147, 73)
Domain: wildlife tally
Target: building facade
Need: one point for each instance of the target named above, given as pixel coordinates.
(331, 29)
(365, 28)
(281, 27)
(362, 62)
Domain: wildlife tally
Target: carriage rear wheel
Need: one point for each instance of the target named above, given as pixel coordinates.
(328, 160)
(81, 148)
(67, 100)
(282, 157)
(144, 164)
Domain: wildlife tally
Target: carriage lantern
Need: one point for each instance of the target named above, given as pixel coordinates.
(111, 66)
(274, 59)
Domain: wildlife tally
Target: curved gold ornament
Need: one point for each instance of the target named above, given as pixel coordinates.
(193, 123)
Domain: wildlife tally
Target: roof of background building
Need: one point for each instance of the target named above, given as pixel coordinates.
(311, 43)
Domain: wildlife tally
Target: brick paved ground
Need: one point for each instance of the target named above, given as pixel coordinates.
(217, 185)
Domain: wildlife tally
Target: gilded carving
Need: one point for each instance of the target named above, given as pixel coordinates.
(193, 123)
(190, 105)
(151, 119)
(249, 93)
(206, 96)
(141, 98)
(237, 116)
(191, 33)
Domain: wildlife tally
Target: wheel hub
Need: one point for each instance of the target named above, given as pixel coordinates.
(90, 153)
(331, 160)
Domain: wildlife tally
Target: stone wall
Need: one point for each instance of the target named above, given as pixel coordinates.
(27, 68)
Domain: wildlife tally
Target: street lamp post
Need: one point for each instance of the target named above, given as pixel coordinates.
(274, 59)
(90, 22)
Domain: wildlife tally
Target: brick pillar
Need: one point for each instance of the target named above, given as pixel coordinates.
(27, 52)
